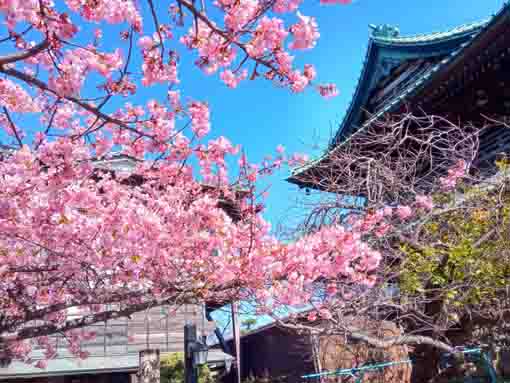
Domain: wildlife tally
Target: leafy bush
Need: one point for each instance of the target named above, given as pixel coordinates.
(172, 370)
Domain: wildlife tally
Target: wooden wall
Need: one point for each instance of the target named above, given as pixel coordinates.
(284, 356)
(277, 353)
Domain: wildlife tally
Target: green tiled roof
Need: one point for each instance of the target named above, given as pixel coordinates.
(434, 36)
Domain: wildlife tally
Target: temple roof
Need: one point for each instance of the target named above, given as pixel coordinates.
(388, 50)
(424, 38)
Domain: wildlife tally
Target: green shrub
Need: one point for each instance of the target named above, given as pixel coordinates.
(172, 370)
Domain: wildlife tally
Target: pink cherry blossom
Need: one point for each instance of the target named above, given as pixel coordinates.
(305, 33)
(241, 13)
(328, 90)
(112, 11)
(310, 72)
(15, 98)
(284, 61)
(199, 112)
(424, 202)
(388, 211)
(269, 36)
(43, 364)
(404, 212)
(155, 71)
(174, 97)
(98, 34)
(145, 42)
(232, 80)
(455, 173)
(282, 6)
(298, 81)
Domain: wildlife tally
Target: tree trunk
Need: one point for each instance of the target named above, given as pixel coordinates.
(148, 368)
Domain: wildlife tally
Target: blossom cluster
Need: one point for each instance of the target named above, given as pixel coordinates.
(78, 229)
(91, 237)
(15, 98)
(456, 173)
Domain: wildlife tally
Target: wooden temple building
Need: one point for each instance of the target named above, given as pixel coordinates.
(462, 75)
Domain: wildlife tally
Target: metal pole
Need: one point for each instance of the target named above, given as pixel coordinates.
(237, 340)
(190, 372)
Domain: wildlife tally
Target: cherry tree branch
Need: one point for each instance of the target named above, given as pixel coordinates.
(157, 27)
(92, 109)
(13, 127)
(19, 56)
(202, 17)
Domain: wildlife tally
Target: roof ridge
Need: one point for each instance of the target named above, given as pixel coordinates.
(450, 32)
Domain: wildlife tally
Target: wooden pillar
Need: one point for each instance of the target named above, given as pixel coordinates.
(148, 367)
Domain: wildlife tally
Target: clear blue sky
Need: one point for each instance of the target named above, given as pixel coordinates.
(259, 116)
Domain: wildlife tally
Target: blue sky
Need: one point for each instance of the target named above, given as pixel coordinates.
(259, 116)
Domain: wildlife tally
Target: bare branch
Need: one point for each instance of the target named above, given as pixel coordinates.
(92, 109)
(13, 127)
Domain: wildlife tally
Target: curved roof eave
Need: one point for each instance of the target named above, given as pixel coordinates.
(376, 43)
(425, 39)
(401, 48)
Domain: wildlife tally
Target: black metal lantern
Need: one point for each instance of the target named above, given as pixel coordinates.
(199, 352)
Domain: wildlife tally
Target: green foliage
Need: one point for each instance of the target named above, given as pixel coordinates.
(463, 251)
(172, 370)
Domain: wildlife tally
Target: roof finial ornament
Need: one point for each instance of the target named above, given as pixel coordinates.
(384, 31)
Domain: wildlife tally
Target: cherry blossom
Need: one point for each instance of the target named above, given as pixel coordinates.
(241, 14)
(310, 72)
(107, 196)
(269, 36)
(425, 202)
(455, 173)
(199, 112)
(404, 212)
(328, 90)
(305, 33)
(112, 11)
(232, 80)
(15, 98)
(282, 6)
